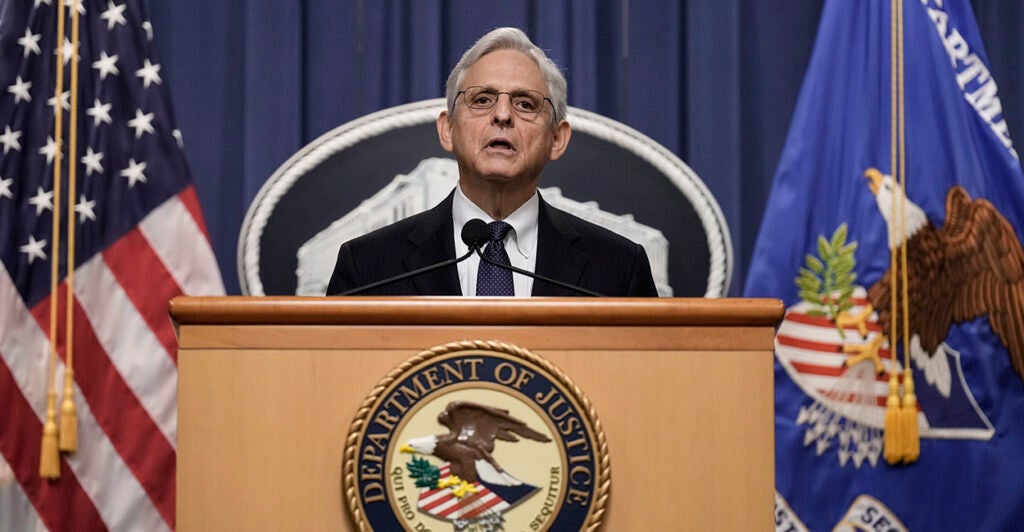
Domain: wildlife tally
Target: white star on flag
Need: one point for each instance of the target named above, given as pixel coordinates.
(84, 209)
(5, 187)
(177, 136)
(78, 4)
(106, 64)
(149, 73)
(149, 30)
(100, 112)
(114, 15)
(34, 249)
(10, 139)
(20, 90)
(47, 2)
(50, 150)
(92, 163)
(30, 42)
(143, 123)
(42, 200)
(65, 100)
(69, 51)
(134, 172)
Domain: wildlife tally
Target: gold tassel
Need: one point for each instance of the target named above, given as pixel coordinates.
(68, 415)
(893, 442)
(49, 458)
(908, 420)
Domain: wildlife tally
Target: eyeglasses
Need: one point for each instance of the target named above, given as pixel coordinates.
(523, 101)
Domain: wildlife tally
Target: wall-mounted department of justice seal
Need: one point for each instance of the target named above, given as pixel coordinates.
(476, 436)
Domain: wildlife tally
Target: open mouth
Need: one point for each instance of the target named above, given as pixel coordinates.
(502, 145)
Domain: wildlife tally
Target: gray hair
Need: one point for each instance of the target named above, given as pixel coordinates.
(511, 39)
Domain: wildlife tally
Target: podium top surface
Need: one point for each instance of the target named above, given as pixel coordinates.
(295, 310)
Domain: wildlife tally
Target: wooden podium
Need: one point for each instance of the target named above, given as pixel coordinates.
(268, 387)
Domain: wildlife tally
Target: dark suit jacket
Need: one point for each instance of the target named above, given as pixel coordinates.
(569, 249)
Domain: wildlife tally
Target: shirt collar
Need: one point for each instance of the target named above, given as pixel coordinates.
(523, 222)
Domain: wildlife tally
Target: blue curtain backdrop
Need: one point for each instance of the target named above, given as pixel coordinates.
(715, 81)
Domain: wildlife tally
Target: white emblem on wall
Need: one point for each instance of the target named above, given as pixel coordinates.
(426, 186)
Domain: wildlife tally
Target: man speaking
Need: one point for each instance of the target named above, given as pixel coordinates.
(505, 120)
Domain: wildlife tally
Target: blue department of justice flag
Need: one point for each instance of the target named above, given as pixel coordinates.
(824, 249)
(140, 241)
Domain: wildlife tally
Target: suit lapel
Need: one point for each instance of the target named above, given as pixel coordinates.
(557, 256)
(433, 241)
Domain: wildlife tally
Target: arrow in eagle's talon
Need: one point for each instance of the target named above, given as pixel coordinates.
(868, 351)
(845, 319)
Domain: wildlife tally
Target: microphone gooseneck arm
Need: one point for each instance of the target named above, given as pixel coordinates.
(475, 235)
(406, 275)
(521, 271)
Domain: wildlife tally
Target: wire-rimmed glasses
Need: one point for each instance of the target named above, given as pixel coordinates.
(524, 102)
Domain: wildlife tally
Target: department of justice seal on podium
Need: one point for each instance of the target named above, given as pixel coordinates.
(476, 436)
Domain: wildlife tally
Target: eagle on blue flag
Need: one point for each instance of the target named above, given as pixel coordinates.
(972, 266)
(826, 247)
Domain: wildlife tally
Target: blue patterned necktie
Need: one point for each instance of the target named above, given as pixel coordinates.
(492, 280)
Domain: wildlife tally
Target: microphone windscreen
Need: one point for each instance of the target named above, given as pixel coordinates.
(475, 233)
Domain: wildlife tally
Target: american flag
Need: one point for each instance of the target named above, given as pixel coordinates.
(140, 241)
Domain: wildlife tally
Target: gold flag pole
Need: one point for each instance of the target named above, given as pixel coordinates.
(68, 414)
(49, 459)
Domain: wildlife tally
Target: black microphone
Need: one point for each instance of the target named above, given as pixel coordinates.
(474, 235)
(479, 230)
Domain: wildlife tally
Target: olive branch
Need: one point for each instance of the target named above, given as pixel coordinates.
(425, 474)
(827, 282)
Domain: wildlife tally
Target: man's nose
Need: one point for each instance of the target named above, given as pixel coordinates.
(502, 113)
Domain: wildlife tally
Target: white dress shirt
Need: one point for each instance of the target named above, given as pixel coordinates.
(520, 242)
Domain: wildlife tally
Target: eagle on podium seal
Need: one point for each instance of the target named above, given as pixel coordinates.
(476, 436)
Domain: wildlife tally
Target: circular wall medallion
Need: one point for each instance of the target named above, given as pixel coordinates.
(377, 169)
(476, 435)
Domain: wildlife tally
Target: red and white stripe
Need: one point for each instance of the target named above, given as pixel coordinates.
(444, 504)
(810, 349)
(123, 475)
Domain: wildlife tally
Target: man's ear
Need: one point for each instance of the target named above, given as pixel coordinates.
(561, 133)
(444, 131)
